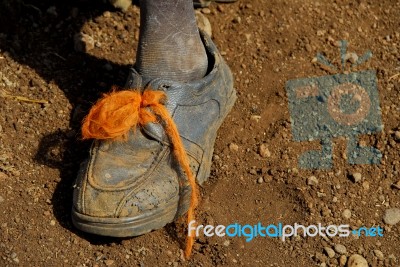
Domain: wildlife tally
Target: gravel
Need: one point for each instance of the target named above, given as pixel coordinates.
(392, 216)
(379, 254)
(357, 260)
(341, 249)
(346, 214)
(329, 252)
(233, 147)
(356, 177)
(312, 180)
(264, 151)
(342, 260)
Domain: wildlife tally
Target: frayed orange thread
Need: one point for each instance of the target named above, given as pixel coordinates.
(114, 115)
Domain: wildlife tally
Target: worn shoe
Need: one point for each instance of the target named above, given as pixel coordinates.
(128, 188)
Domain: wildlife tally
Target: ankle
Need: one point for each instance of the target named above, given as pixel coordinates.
(170, 45)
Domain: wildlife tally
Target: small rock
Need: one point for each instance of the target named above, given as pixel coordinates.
(260, 180)
(121, 4)
(356, 176)
(52, 11)
(342, 260)
(108, 67)
(233, 147)
(330, 252)
(396, 185)
(83, 42)
(312, 180)
(227, 243)
(379, 254)
(237, 20)
(1, 199)
(264, 151)
(206, 10)
(392, 216)
(320, 257)
(392, 257)
(3, 176)
(109, 262)
(256, 118)
(365, 185)
(352, 57)
(397, 136)
(52, 222)
(253, 170)
(339, 248)
(356, 260)
(346, 214)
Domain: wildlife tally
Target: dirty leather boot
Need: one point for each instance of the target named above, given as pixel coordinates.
(128, 188)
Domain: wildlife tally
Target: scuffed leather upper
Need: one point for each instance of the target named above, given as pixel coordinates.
(128, 178)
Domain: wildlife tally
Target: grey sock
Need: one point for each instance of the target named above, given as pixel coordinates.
(169, 42)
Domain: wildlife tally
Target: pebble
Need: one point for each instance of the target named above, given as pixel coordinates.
(392, 216)
(379, 254)
(233, 147)
(52, 222)
(256, 118)
(109, 262)
(396, 185)
(342, 260)
(108, 67)
(397, 136)
(260, 180)
(121, 4)
(356, 260)
(312, 180)
(264, 151)
(365, 185)
(52, 11)
(237, 20)
(206, 10)
(83, 42)
(3, 176)
(346, 214)
(320, 257)
(356, 177)
(339, 248)
(330, 252)
(1, 199)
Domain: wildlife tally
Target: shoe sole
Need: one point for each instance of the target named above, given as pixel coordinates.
(126, 227)
(156, 218)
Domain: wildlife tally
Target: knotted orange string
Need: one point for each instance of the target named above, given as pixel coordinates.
(114, 115)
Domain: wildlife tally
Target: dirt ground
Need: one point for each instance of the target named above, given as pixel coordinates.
(266, 43)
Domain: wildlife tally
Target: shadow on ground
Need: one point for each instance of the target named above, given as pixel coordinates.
(33, 34)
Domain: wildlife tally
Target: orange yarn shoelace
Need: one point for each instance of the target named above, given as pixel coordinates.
(116, 113)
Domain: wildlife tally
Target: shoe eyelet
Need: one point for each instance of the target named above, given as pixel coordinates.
(164, 87)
